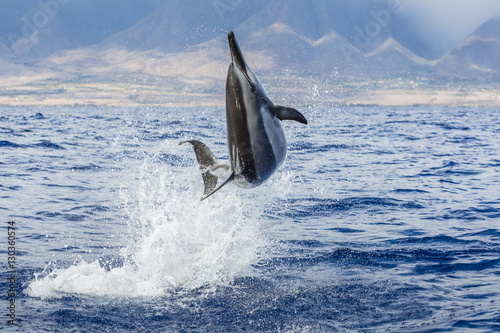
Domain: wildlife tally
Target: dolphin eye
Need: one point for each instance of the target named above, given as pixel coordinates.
(252, 88)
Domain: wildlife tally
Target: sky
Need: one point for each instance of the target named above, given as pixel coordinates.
(448, 22)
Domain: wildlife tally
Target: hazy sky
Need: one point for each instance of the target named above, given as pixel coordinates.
(434, 27)
(450, 21)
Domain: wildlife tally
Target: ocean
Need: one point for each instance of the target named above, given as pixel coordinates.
(381, 219)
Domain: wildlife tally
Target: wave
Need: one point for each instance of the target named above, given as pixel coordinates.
(65, 217)
(410, 190)
(48, 144)
(340, 257)
(311, 207)
(494, 233)
(42, 144)
(458, 267)
(88, 167)
(310, 147)
(448, 126)
(10, 144)
(467, 214)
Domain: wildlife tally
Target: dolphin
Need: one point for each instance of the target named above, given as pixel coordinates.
(257, 144)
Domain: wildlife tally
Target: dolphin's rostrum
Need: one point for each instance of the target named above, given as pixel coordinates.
(257, 144)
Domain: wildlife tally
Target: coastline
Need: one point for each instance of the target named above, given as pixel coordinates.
(211, 94)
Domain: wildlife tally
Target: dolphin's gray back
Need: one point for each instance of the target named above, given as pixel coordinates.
(256, 140)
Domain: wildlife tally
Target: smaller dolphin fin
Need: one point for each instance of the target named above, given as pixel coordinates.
(287, 113)
(208, 165)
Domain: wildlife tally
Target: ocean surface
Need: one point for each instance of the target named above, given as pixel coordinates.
(379, 220)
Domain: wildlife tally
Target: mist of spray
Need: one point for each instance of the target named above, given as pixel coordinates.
(175, 241)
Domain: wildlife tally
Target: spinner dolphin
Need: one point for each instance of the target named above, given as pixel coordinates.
(257, 144)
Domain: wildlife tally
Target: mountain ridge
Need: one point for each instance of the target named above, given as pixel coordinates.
(280, 34)
(477, 56)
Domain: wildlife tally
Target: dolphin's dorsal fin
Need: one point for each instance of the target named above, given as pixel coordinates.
(208, 165)
(287, 113)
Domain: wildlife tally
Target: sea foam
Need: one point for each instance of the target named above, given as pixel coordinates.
(175, 242)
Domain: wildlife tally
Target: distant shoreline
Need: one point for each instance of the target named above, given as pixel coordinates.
(378, 98)
(307, 93)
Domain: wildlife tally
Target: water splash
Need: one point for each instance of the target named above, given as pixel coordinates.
(176, 241)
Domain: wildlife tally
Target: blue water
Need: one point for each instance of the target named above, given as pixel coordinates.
(380, 220)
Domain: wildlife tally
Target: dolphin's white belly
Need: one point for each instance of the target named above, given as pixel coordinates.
(275, 135)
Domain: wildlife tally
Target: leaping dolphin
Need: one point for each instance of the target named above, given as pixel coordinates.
(257, 144)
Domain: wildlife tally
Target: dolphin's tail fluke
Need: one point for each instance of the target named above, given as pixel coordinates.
(206, 160)
(211, 169)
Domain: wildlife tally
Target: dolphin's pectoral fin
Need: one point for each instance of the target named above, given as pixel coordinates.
(228, 180)
(287, 113)
(209, 167)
